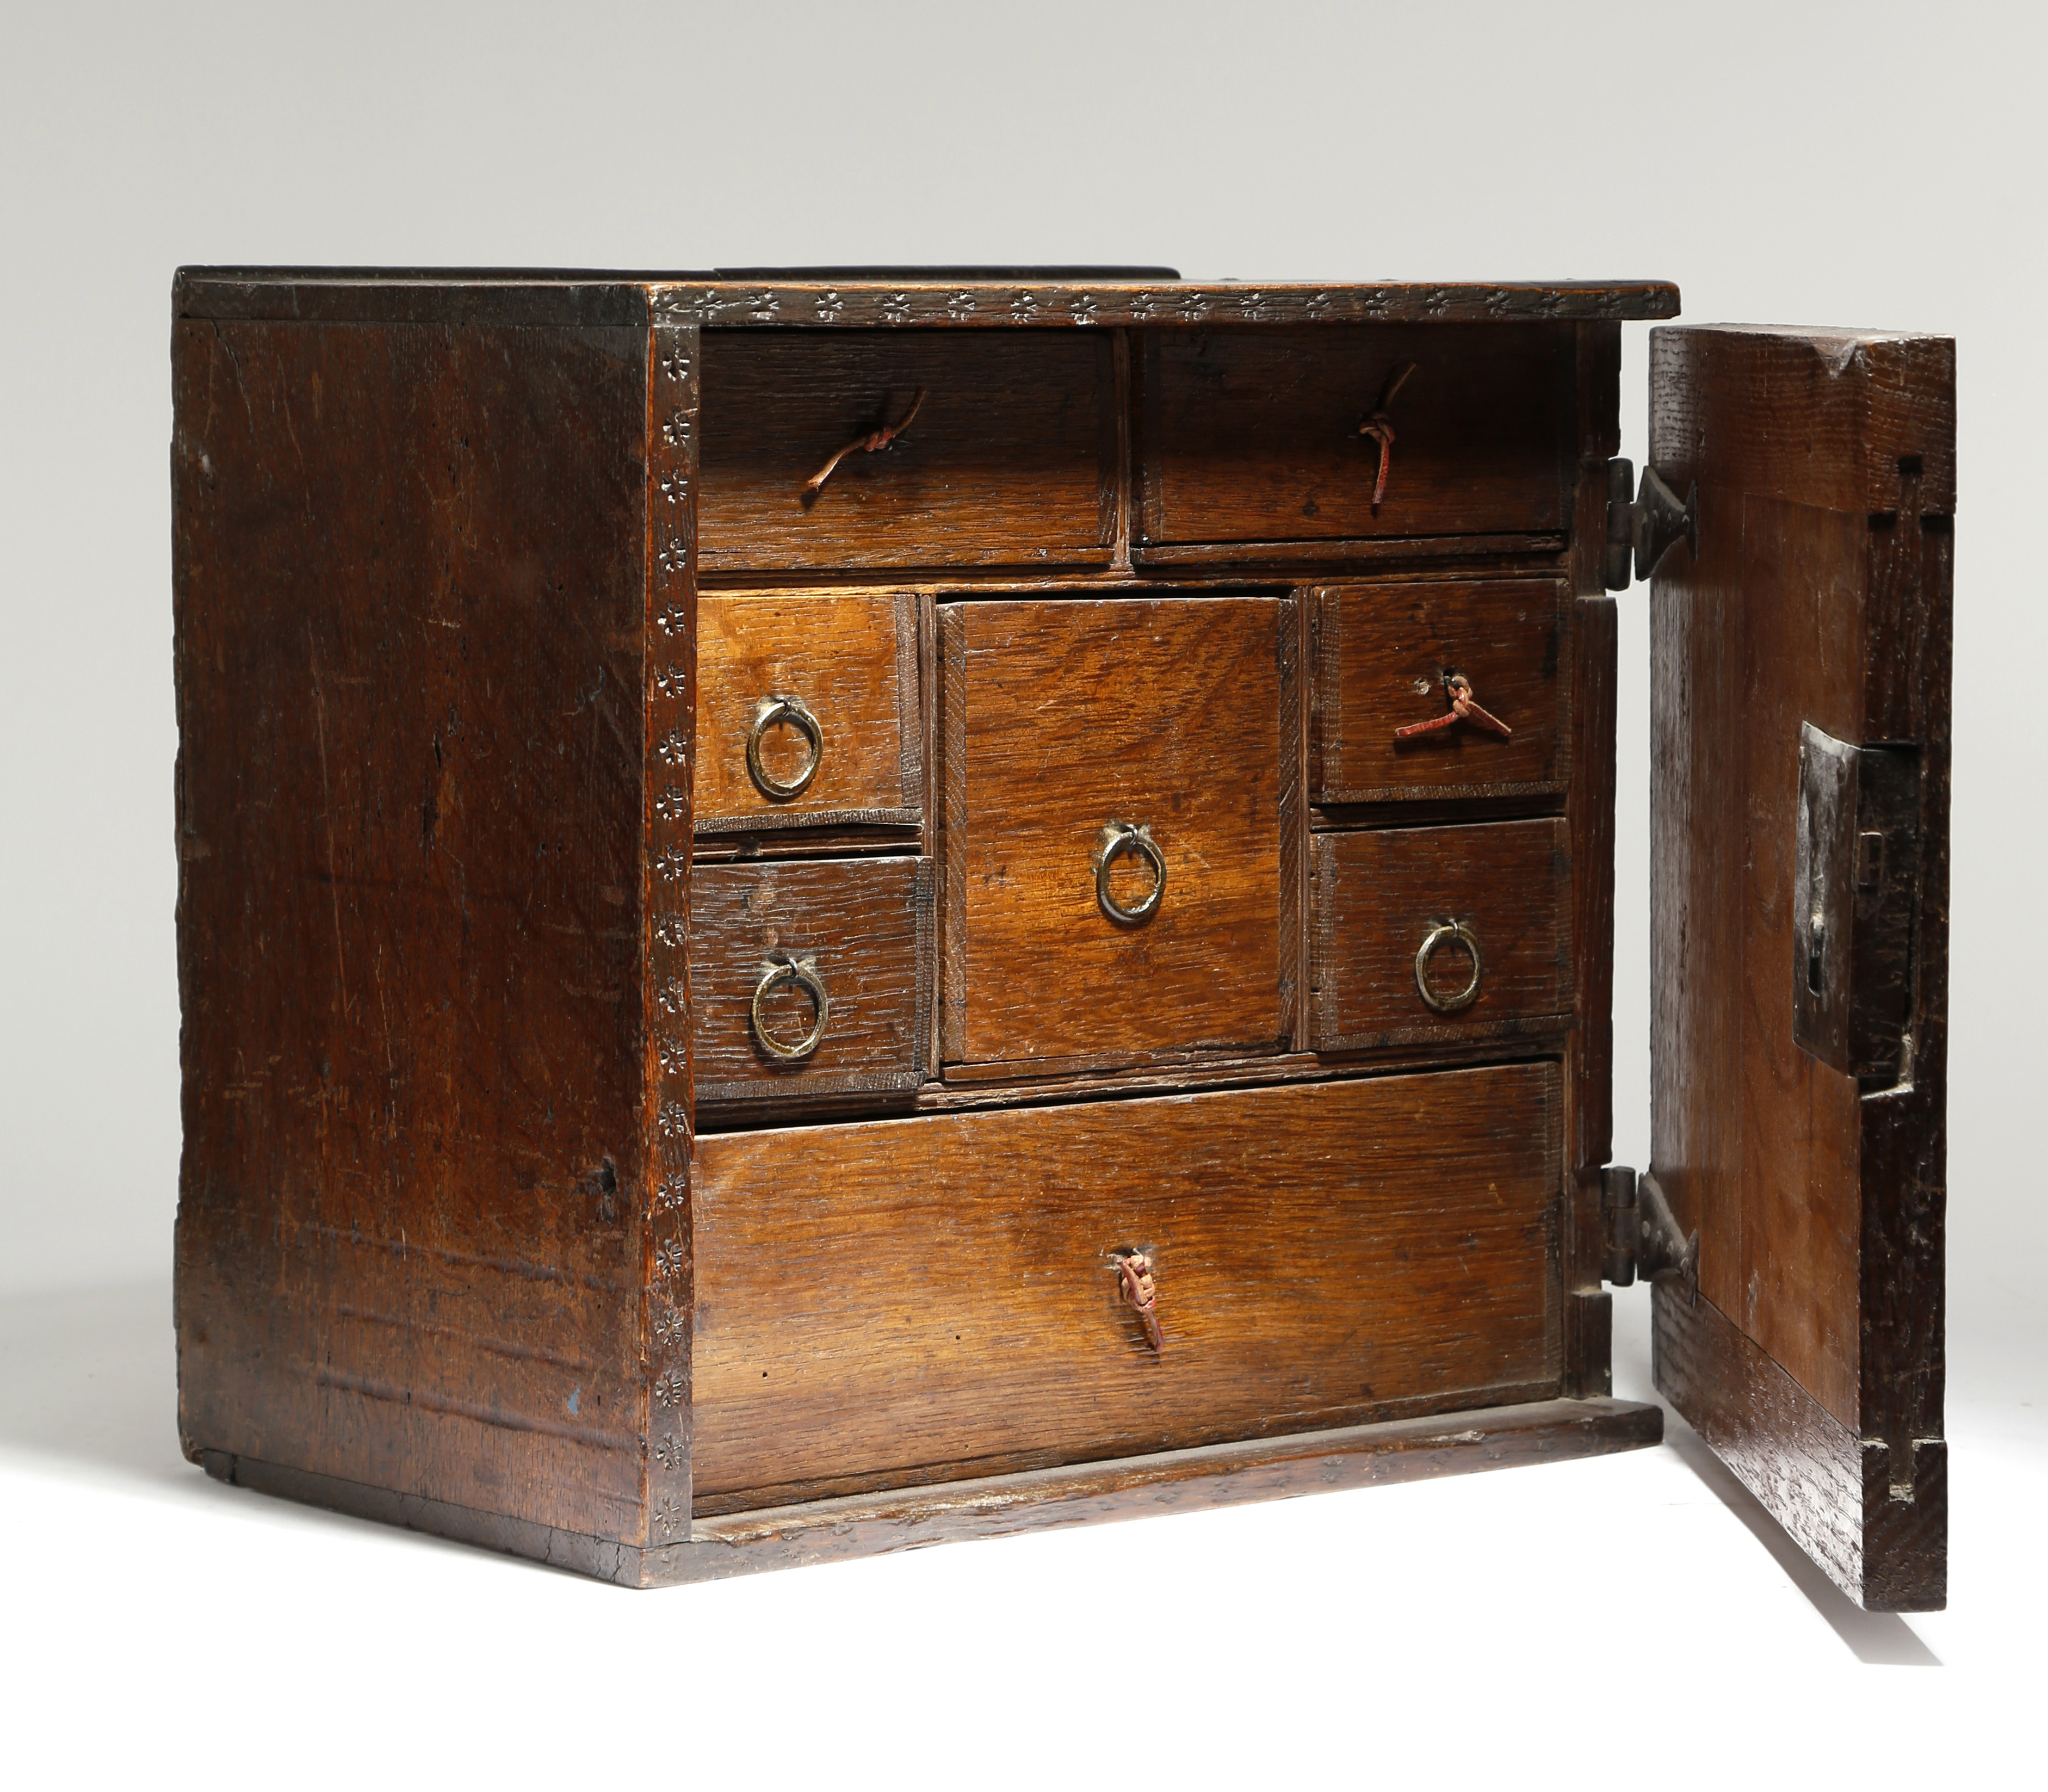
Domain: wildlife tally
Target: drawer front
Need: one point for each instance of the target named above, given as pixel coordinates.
(918, 1300)
(1253, 435)
(1062, 718)
(1009, 459)
(823, 688)
(1384, 658)
(1379, 896)
(863, 929)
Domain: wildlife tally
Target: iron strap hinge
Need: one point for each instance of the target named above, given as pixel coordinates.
(1642, 530)
(1642, 1238)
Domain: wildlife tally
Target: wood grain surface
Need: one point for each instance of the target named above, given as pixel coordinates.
(409, 906)
(1831, 1490)
(1378, 894)
(675, 369)
(1199, 1479)
(1382, 654)
(885, 1302)
(866, 923)
(856, 298)
(1011, 458)
(851, 659)
(1063, 716)
(1826, 464)
(1253, 435)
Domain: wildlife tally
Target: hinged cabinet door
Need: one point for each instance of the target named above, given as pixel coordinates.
(1800, 690)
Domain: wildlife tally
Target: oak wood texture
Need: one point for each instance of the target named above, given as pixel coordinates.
(891, 1301)
(1062, 716)
(410, 896)
(668, 629)
(1253, 436)
(1830, 1488)
(1382, 654)
(1011, 457)
(441, 1254)
(867, 923)
(1197, 1480)
(1825, 462)
(851, 659)
(691, 299)
(1377, 894)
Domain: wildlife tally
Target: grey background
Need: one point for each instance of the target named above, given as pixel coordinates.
(1870, 165)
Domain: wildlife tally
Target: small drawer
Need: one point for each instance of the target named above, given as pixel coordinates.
(921, 1300)
(808, 711)
(780, 953)
(1158, 736)
(1253, 436)
(1010, 457)
(1480, 915)
(1385, 656)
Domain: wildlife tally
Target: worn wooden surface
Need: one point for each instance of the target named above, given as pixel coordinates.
(1253, 435)
(1062, 716)
(1377, 894)
(866, 923)
(1831, 1489)
(1010, 460)
(1825, 462)
(851, 659)
(893, 299)
(675, 370)
(885, 1302)
(409, 832)
(1199, 1479)
(1382, 652)
(470, 1306)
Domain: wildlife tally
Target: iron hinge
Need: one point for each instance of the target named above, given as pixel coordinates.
(1642, 530)
(1643, 1238)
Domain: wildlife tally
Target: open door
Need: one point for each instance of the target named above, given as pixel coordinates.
(1799, 854)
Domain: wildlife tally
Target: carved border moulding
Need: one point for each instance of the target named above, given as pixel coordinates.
(669, 698)
(810, 304)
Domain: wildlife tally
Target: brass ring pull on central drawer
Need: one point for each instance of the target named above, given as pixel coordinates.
(1443, 932)
(767, 713)
(1118, 838)
(804, 973)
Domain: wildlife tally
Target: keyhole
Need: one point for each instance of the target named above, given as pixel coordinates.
(1817, 940)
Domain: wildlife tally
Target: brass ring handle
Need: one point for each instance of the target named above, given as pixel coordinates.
(1118, 838)
(1441, 932)
(770, 711)
(803, 972)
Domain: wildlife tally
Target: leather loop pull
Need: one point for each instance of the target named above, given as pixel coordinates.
(1464, 707)
(1379, 426)
(1134, 1278)
(873, 442)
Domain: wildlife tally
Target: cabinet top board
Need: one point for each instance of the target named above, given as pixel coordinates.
(872, 297)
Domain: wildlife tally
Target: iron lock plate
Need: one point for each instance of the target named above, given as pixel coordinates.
(1855, 878)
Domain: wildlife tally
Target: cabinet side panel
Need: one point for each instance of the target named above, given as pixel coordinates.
(409, 596)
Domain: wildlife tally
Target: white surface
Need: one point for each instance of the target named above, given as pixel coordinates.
(1636, 1617)
(1878, 165)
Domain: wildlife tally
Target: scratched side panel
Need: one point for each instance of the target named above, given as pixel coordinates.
(410, 608)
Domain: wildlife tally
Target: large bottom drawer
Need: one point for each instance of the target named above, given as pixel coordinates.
(897, 1301)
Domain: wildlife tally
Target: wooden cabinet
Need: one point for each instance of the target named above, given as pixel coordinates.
(817, 914)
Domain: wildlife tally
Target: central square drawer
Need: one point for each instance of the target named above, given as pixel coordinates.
(1159, 735)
